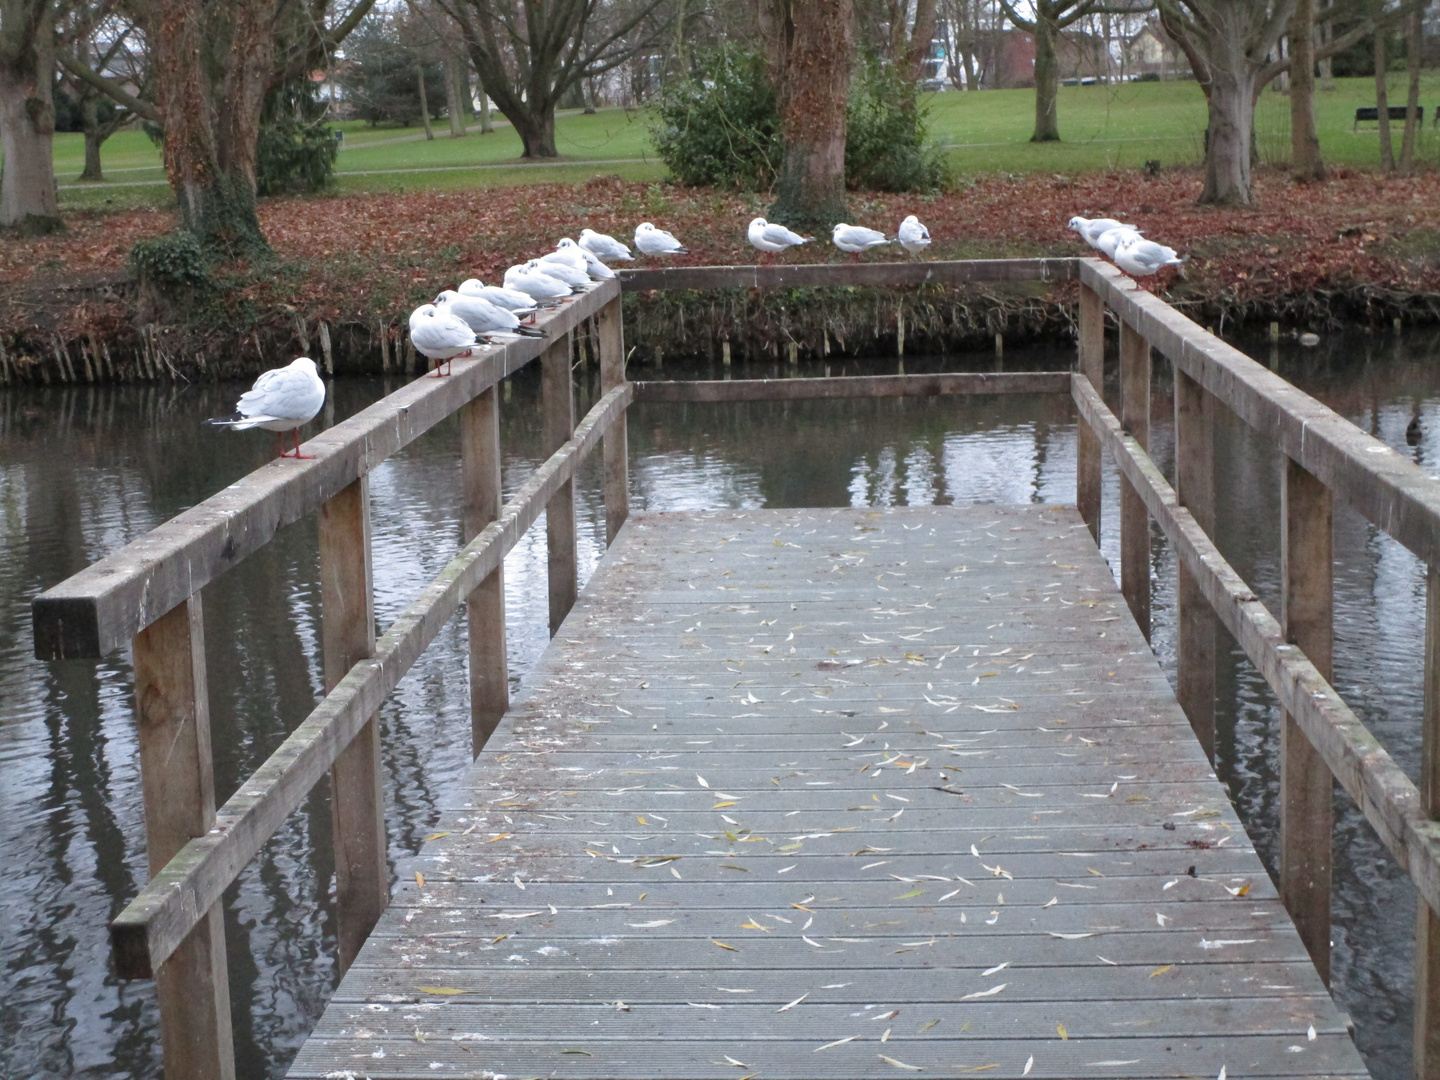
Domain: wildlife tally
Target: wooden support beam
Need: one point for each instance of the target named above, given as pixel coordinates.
(172, 710)
(1306, 788)
(611, 325)
(357, 790)
(1134, 522)
(557, 394)
(836, 275)
(1389, 800)
(1426, 1047)
(855, 386)
(151, 927)
(485, 608)
(1091, 364)
(1196, 626)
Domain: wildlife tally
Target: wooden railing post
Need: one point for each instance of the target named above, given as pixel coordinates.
(1196, 623)
(357, 793)
(485, 607)
(616, 447)
(178, 785)
(1426, 1050)
(558, 408)
(1092, 366)
(1134, 522)
(1306, 786)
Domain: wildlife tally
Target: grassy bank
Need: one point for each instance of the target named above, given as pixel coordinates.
(987, 133)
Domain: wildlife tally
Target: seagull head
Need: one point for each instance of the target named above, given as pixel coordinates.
(759, 223)
(304, 363)
(909, 219)
(645, 226)
(1078, 223)
(566, 242)
(445, 297)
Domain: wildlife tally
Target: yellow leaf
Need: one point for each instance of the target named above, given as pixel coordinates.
(446, 990)
(1243, 889)
(980, 1068)
(1060, 1030)
(1161, 970)
(908, 895)
(419, 879)
(435, 836)
(721, 805)
(642, 821)
(723, 945)
(753, 925)
(1095, 872)
(496, 941)
(497, 836)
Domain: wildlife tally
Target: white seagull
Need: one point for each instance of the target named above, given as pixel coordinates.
(857, 238)
(281, 400)
(536, 284)
(589, 263)
(603, 247)
(517, 302)
(484, 317)
(558, 268)
(772, 236)
(440, 335)
(567, 252)
(1141, 258)
(913, 236)
(1091, 229)
(1111, 239)
(653, 241)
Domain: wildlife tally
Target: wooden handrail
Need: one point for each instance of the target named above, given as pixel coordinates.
(856, 386)
(169, 907)
(102, 607)
(1391, 491)
(1385, 795)
(838, 275)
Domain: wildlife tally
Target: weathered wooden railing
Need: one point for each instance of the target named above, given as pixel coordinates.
(149, 593)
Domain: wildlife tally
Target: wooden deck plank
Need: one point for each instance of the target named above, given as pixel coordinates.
(653, 809)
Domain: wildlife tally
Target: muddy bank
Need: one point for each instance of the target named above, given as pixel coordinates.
(347, 270)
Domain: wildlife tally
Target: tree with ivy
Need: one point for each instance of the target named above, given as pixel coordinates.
(27, 116)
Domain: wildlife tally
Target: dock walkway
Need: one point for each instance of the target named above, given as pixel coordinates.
(839, 793)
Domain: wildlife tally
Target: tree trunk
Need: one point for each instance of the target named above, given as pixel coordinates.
(587, 90)
(537, 133)
(27, 128)
(1382, 102)
(424, 103)
(452, 98)
(817, 40)
(1414, 44)
(487, 126)
(1306, 163)
(1327, 34)
(1047, 77)
(1230, 134)
(93, 138)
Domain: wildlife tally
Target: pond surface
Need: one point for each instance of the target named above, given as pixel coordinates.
(82, 471)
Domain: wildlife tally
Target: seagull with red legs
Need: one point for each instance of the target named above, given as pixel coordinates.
(282, 399)
(441, 336)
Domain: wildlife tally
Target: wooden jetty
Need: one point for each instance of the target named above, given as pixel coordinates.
(811, 792)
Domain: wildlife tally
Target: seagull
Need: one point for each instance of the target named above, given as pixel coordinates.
(517, 302)
(484, 317)
(605, 248)
(536, 284)
(913, 236)
(1091, 229)
(558, 268)
(1141, 258)
(1111, 239)
(281, 400)
(440, 335)
(567, 252)
(653, 241)
(592, 266)
(772, 236)
(857, 238)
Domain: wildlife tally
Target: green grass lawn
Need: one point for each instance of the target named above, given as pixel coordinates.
(1103, 127)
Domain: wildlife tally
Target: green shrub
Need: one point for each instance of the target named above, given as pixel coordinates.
(721, 126)
(295, 151)
(885, 134)
(171, 262)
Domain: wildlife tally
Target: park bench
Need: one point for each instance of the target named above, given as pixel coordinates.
(1371, 113)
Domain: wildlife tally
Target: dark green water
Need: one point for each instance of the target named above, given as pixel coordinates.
(82, 471)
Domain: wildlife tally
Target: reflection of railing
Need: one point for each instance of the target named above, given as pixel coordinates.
(149, 593)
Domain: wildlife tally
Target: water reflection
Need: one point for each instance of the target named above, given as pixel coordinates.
(84, 470)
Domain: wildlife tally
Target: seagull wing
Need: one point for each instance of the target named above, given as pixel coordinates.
(776, 233)
(282, 394)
